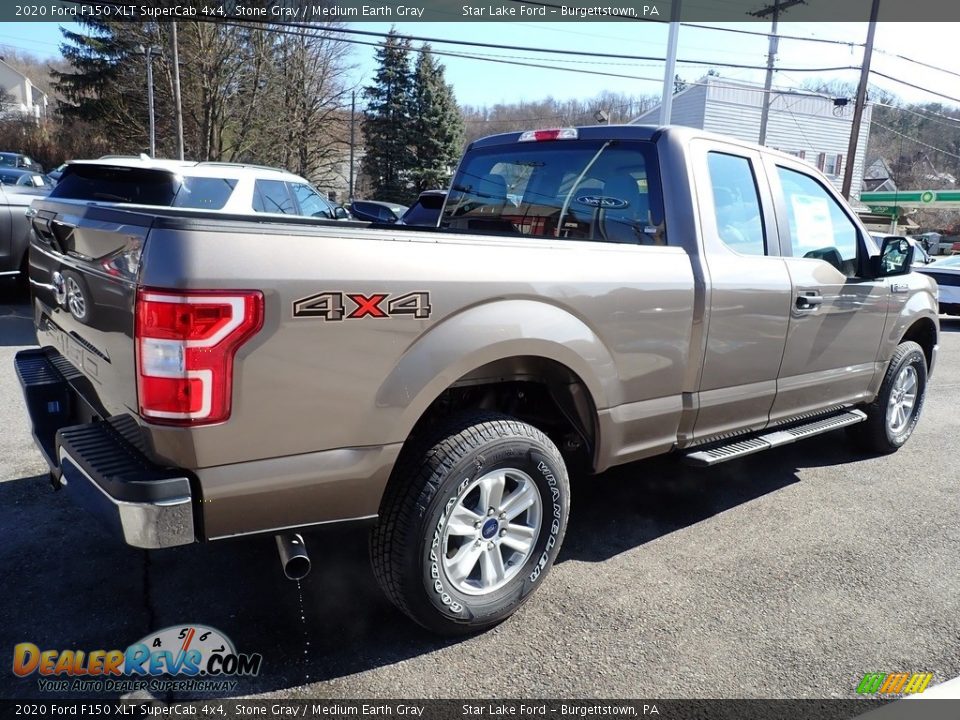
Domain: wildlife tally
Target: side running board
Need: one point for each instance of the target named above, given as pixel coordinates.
(737, 448)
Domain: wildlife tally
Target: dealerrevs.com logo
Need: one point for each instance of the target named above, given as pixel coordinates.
(180, 658)
(898, 683)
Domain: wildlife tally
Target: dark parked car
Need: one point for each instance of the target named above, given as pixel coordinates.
(15, 199)
(57, 173)
(425, 212)
(18, 160)
(24, 178)
(377, 211)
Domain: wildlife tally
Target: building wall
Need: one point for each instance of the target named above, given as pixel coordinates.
(26, 98)
(797, 123)
(687, 109)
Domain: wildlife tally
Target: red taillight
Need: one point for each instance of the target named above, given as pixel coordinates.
(185, 343)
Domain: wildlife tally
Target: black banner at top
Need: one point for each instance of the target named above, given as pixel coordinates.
(359, 11)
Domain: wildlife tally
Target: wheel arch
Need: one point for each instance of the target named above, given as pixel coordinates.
(477, 358)
(923, 332)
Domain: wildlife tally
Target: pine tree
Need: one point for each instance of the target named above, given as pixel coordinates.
(387, 126)
(437, 125)
(105, 82)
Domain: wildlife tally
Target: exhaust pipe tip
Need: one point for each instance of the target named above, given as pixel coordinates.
(293, 556)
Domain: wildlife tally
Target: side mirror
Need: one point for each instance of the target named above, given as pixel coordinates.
(341, 214)
(895, 258)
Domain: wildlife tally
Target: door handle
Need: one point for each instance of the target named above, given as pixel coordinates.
(808, 302)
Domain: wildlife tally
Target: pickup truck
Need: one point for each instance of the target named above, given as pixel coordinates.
(592, 296)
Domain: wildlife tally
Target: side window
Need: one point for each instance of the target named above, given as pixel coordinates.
(819, 229)
(311, 203)
(204, 193)
(271, 196)
(736, 203)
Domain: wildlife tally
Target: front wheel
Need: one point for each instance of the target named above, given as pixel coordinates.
(892, 417)
(471, 522)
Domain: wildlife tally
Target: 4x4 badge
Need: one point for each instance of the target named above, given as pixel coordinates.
(331, 305)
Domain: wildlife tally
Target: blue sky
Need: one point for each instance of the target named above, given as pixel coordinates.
(486, 83)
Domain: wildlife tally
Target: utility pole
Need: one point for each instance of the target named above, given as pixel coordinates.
(861, 100)
(774, 12)
(353, 112)
(148, 52)
(670, 70)
(178, 107)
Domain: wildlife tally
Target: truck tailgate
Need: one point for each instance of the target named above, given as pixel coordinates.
(84, 262)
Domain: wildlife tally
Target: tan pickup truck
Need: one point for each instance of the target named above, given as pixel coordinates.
(593, 296)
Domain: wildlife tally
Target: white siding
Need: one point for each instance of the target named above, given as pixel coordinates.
(687, 109)
(27, 99)
(797, 121)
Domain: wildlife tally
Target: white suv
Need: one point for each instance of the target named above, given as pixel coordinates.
(230, 188)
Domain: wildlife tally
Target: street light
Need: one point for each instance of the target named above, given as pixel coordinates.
(148, 52)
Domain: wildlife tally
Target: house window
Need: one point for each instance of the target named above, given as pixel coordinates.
(830, 163)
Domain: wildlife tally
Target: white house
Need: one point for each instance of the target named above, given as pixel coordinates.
(22, 96)
(801, 123)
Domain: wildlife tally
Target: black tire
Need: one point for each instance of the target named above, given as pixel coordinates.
(407, 544)
(876, 434)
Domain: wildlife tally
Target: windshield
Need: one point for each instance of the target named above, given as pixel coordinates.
(952, 261)
(577, 190)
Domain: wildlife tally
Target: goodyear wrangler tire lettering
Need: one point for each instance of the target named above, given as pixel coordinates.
(472, 519)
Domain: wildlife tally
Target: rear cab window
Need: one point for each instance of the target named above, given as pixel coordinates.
(604, 191)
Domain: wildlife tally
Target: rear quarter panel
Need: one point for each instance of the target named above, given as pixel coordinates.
(619, 316)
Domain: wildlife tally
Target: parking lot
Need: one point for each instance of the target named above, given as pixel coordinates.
(786, 574)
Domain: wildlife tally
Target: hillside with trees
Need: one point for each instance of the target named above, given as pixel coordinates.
(276, 96)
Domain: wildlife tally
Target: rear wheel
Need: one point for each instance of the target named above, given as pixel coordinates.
(892, 417)
(471, 522)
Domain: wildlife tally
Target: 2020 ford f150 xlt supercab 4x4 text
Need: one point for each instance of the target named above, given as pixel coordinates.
(592, 296)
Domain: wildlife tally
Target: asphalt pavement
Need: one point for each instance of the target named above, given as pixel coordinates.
(787, 574)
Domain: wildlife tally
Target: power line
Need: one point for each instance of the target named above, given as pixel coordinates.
(758, 33)
(915, 87)
(701, 26)
(502, 61)
(926, 114)
(918, 142)
(245, 22)
(520, 48)
(919, 62)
